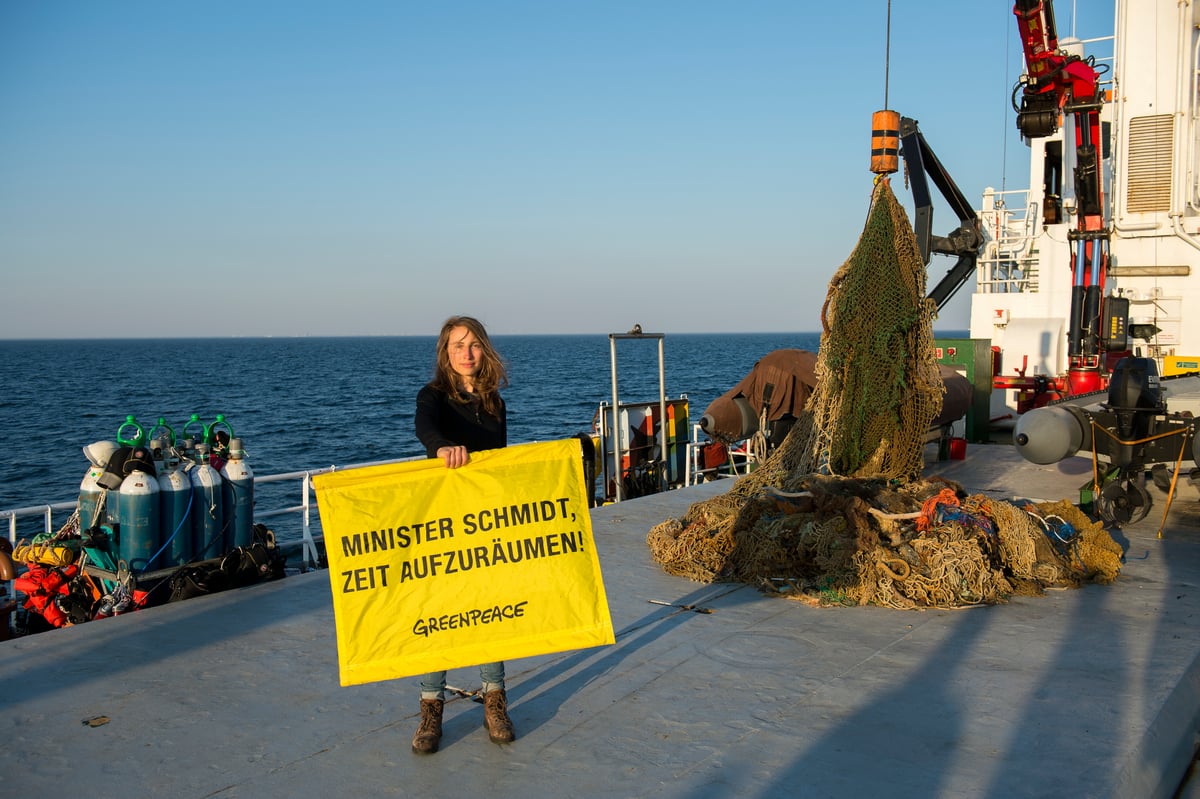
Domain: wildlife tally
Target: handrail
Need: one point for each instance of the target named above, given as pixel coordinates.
(309, 554)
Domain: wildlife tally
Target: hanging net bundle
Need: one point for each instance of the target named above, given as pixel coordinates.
(839, 513)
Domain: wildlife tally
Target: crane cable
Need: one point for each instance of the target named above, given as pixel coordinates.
(885, 124)
(887, 53)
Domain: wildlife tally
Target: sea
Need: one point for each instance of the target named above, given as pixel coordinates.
(309, 403)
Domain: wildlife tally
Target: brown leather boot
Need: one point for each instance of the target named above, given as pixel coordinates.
(495, 717)
(429, 731)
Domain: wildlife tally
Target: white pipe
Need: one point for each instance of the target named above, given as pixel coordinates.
(1180, 233)
(1118, 103)
(1185, 84)
(1185, 109)
(1181, 114)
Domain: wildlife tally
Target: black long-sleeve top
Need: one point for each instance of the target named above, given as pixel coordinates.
(444, 422)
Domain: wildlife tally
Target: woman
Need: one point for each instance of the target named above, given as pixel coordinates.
(459, 412)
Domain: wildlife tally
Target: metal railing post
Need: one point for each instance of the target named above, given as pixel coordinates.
(308, 552)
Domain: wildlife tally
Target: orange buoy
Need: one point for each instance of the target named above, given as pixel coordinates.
(885, 142)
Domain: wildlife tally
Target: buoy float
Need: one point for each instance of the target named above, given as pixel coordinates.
(885, 142)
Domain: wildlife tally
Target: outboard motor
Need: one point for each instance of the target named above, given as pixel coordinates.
(1135, 397)
(1134, 390)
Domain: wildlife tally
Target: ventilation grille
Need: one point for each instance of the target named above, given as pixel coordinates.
(1150, 153)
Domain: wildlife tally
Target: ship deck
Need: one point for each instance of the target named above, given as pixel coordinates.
(1089, 692)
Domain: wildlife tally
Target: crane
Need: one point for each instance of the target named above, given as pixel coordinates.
(1059, 83)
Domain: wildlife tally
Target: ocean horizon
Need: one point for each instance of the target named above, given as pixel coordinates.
(307, 402)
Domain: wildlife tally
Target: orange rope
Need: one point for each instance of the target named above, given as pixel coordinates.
(929, 508)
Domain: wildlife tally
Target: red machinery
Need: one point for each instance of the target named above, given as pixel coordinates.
(1059, 83)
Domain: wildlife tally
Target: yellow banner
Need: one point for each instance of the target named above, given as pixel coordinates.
(435, 568)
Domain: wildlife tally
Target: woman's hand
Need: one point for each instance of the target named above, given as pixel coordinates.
(454, 457)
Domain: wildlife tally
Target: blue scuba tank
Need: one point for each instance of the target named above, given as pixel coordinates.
(130, 435)
(237, 486)
(208, 517)
(91, 493)
(139, 513)
(174, 502)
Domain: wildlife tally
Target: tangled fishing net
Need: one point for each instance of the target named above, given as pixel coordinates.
(839, 514)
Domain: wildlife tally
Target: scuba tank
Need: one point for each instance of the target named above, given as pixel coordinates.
(91, 493)
(237, 488)
(174, 503)
(115, 471)
(139, 537)
(110, 480)
(208, 518)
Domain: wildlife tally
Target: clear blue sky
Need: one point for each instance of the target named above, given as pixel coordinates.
(369, 168)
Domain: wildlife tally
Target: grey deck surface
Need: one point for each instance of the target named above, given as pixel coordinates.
(1091, 692)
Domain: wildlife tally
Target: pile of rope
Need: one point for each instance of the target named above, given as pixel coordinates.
(839, 514)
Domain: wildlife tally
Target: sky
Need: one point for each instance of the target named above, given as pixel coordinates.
(300, 168)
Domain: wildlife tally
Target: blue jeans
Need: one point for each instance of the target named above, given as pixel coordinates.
(433, 685)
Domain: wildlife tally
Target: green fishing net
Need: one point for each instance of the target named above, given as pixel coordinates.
(839, 514)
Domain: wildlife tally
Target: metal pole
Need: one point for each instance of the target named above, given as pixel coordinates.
(616, 411)
(308, 549)
(662, 410)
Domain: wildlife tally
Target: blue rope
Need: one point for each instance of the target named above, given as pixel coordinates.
(186, 520)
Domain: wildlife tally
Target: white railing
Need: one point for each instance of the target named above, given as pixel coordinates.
(45, 511)
(1008, 264)
(696, 473)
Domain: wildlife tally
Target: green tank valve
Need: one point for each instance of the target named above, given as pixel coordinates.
(138, 439)
(210, 431)
(187, 426)
(162, 425)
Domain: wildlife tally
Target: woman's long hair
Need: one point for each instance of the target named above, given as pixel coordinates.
(489, 379)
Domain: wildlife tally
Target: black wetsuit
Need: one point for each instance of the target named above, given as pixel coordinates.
(444, 422)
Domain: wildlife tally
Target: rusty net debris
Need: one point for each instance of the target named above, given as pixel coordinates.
(839, 513)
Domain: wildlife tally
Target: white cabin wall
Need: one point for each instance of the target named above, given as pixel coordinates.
(1155, 248)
